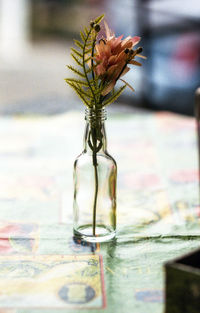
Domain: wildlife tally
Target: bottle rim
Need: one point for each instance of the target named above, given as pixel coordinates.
(92, 115)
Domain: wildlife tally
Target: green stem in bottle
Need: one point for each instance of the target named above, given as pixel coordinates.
(95, 201)
(94, 157)
(95, 143)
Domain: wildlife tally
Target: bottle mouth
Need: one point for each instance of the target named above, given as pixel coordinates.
(98, 115)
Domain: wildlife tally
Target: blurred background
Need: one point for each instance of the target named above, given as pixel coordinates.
(35, 40)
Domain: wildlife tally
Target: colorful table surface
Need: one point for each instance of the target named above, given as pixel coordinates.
(42, 267)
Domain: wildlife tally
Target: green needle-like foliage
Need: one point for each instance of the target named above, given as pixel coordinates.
(115, 95)
(88, 85)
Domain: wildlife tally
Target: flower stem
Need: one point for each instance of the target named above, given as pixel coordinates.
(84, 67)
(95, 199)
(92, 60)
(95, 164)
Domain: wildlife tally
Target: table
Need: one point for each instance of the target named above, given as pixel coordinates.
(44, 269)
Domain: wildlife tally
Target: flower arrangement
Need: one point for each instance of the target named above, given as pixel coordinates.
(102, 60)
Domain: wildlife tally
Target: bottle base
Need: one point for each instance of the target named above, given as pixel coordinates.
(102, 233)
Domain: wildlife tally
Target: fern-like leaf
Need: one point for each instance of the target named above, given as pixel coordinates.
(86, 93)
(79, 54)
(99, 19)
(76, 85)
(85, 101)
(77, 81)
(86, 31)
(89, 43)
(78, 44)
(88, 59)
(89, 70)
(73, 69)
(88, 51)
(87, 88)
(115, 96)
(76, 60)
(83, 37)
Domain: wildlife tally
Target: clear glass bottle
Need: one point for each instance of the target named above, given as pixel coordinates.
(95, 174)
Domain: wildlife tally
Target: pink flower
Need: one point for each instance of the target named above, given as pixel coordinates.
(113, 54)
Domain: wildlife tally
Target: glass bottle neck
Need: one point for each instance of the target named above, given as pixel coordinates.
(95, 134)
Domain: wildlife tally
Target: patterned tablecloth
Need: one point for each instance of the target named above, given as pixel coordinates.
(42, 268)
